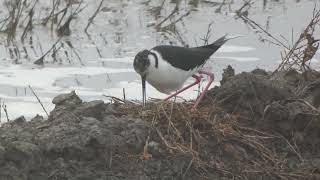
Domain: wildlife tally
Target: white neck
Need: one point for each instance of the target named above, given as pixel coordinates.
(153, 60)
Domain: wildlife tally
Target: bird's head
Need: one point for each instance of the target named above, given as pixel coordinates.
(141, 64)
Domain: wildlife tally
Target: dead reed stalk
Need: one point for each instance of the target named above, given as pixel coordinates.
(90, 20)
(299, 53)
(44, 109)
(4, 107)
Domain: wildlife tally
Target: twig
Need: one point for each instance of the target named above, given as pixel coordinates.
(5, 111)
(292, 148)
(4, 20)
(206, 38)
(44, 109)
(145, 154)
(90, 20)
(65, 10)
(253, 23)
(164, 140)
(74, 51)
(124, 94)
(39, 61)
(189, 166)
(119, 100)
(15, 13)
(29, 25)
(55, 5)
(308, 104)
(174, 11)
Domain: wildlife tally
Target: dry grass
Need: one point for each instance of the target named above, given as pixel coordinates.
(218, 141)
(300, 53)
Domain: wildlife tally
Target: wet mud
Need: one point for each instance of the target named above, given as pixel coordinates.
(256, 125)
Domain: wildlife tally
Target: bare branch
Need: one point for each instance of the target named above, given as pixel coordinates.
(90, 20)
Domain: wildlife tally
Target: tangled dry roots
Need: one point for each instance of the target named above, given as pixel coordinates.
(220, 142)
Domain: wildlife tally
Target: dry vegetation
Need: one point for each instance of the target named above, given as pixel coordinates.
(217, 141)
(297, 54)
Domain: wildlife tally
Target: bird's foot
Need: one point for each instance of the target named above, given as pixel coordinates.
(211, 78)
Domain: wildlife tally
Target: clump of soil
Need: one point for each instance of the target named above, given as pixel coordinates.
(256, 124)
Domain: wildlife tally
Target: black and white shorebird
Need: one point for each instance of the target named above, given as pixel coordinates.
(167, 68)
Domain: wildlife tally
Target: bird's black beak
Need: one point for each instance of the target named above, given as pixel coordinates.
(143, 80)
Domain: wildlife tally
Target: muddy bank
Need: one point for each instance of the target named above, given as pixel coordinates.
(256, 125)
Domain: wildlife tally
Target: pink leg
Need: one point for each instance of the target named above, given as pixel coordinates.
(211, 78)
(197, 81)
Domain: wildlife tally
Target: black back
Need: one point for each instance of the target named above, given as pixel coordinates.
(189, 58)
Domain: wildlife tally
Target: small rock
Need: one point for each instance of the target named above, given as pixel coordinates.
(64, 103)
(69, 99)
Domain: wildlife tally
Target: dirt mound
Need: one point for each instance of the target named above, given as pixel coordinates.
(255, 125)
(77, 142)
(250, 92)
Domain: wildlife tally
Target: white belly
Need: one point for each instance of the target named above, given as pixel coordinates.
(166, 78)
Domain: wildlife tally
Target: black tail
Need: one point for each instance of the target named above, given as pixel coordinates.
(219, 42)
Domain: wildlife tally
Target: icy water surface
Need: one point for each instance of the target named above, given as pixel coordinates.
(99, 62)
